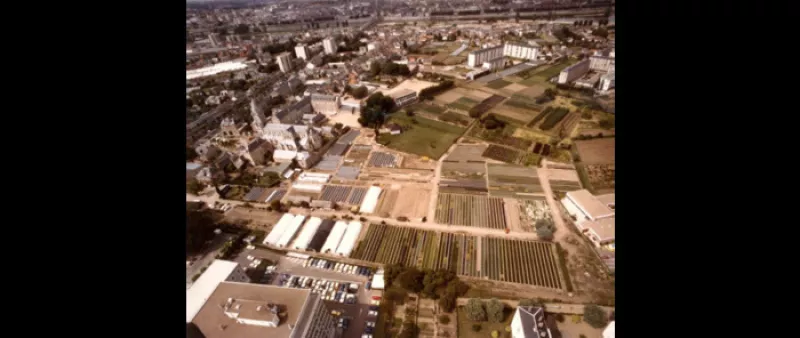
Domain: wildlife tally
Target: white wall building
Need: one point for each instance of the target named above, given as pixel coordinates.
(370, 200)
(573, 72)
(308, 232)
(291, 230)
(335, 237)
(607, 81)
(218, 272)
(349, 240)
(520, 51)
(610, 330)
(325, 104)
(478, 57)
(594, 216)
(285, 62)
(601, 63)
(529, 322)
(277, 230)
(302, 51)
(329, 44)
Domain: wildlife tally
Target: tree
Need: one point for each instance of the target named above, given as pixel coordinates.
(411, 279)
(194, 186)
(360, 92)
(529, 302)
(391, 273)
(276, 205)
(191, 154)
(494, 311)
(475, 310)
(444, 319)
(200, 226)
(595, 316)
(495, 334)
(335, 89)
(410, 330)
(560, 317)
(448, 302)
(241, 29)
(374, 68)
(476, 327)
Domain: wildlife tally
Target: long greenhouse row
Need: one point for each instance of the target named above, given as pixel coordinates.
(316, 235)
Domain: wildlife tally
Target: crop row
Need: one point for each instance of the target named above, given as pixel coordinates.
(335, 193)
(519, 261)
(357, 195)
(368, 248)
(470, 210)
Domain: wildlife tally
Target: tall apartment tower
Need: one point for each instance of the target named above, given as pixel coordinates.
(285, 62)
(330, 46)
(301, 51)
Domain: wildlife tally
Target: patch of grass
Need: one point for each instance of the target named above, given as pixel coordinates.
(428, 108)
(426, 137)
(553, 70)
(455, 118)
(459, 106)
(497, 84)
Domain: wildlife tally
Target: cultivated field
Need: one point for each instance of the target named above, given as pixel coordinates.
(382, 160)
(512, 156)
(597, 151)
(335, 193)
(467, 153)
(425, 137)
(358, 155)
(500, 136)
(532, 210)
(519, 261)
(463, 170)
(507, 180)
(411, 247)
(470, 210)
(357, 196)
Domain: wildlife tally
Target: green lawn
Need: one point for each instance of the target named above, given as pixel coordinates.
(553, 70)
(465, 326)
(463, 103)
(497, 84)
(426, 137)
(428, 108)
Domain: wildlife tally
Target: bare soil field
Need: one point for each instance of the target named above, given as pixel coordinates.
(412, 202)
(522, 116)
(358, 155)
(416, 162)
(258, 218)
(469, 170)
(597, 151)
(515, 87)
(448, 97)
(467, 153)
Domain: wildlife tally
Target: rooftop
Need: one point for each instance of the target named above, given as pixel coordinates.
(199, 292)
(213, 322)
(589, 204)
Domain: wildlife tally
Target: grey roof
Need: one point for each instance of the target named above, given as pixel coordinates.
(531, 316)
(350, 173)
(338, 149)
(255, 144)
(280, 168)
(349, 137)
(254, 194)
(329, 163)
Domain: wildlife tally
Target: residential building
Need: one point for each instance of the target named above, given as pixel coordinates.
(192, 169)
(292, 113)
(307, 160)
(292, 137)
(206, 150)
(573, 72)
(285, 62)
(199, 292)
(325, 104)
(607, 81)
(601, 63)
(529, 322)
(302, 52)
(330, 45)
(257, 151)
(520, 51)
(478, 57)
(498, 63)
(610, 330)
(255, 310)
(373, 46)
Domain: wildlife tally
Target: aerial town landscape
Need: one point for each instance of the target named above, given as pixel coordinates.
(400, 168)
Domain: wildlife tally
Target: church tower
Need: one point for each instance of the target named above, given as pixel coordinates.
(259, 119)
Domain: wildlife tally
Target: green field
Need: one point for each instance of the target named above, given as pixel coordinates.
(463, 103)
(497, 84)
(428, 108)
(455, 118)
(426, 137)
(552, 70)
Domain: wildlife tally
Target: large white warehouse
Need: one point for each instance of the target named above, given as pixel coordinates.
(278, 229)
(370, 200)
(291, 230)
(313, 177)
(307, 187)
(349, 240)
(305, 236)
(335, 237)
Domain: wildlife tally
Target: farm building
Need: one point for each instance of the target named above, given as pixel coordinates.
(313, 178)
(581, 204)
(321, 235)
(307, 187)
(298, 199)
(335, 237)
(321, 204)
(274, 235)
(600, 232)
(291, 230)
(349, 240)
(370, 200)
(305, 236)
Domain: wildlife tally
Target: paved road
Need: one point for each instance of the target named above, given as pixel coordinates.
(561, 228)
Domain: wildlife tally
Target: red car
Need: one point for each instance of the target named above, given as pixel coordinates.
(376, 297)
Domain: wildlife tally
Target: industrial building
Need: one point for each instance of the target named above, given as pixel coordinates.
(349, 239)
(335, 237)
(255, 310)
(216, 273)
(594, 216)
(573, 72)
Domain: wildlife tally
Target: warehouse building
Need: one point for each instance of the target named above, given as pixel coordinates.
(219, 271)
(370, 200)
(291, 230)
(335, 237)
(349, 239)
(308, 232)
(573, 72)
(277, 231)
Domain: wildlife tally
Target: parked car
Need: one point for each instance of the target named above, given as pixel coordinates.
(372, 313)
(370, 324)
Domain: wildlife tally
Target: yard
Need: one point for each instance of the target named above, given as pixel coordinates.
(465, 329)
(424, 137)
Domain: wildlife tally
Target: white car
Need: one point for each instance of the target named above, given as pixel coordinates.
(372, 313)
(250, 258)
(251, 247)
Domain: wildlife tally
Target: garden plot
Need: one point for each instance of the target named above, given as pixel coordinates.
(463, 104)
(470, 210)
(383, 160)
(507, 180)
(357, 195)
(532, 210)
(597, 151)
(466, 153)
(521, 261)
(357, 156)
(335, 193)
(508, 155)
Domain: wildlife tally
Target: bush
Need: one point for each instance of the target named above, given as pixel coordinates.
(494, 311)
(560, 317)
(362, 219)
(495, 334)
(195, 277)
(476, 327)
(444, 319)
(581, 336)
(545, 233)
(595, 316)
(475, 310)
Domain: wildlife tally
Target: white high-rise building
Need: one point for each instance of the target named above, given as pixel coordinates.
(330, 46)
(478, 57)
(285, 62)
(301, 51)
(520, 51)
